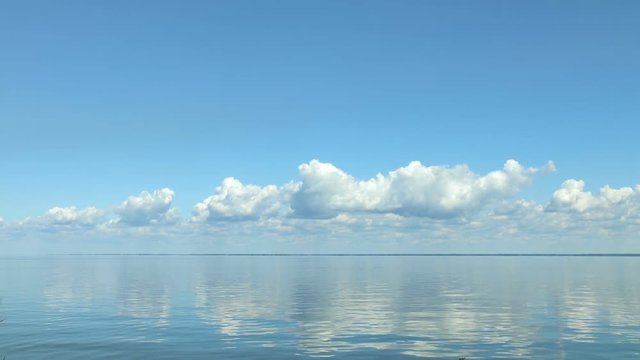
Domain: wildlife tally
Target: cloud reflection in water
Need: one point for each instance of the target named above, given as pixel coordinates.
(328, 306)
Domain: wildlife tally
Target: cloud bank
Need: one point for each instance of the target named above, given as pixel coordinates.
(413, 205)
(413, 190)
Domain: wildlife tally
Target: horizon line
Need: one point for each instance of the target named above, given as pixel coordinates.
(354, 254)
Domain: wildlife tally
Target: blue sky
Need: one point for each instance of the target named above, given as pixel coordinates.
(102, 100)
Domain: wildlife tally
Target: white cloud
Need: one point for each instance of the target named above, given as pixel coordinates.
(609, 203)
(413, 190)
(571, 196)
(413, 208)
(73, 216)
(148, 208)
(326, 191)
(606, 221)
(236, 201)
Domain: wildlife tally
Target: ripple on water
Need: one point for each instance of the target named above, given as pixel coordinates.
(235, 307)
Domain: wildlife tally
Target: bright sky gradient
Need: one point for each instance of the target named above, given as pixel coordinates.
(121, 120)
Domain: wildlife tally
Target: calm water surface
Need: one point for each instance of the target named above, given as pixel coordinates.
(216, 307)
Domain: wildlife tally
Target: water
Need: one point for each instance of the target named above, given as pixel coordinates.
(217, 307)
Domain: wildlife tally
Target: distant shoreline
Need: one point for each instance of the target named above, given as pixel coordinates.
(365, 255)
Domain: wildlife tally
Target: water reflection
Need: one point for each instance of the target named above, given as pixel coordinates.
(346, 307)
(328, 306)
(235, 309)
(143, 293)
(69, 287)
(580, 311)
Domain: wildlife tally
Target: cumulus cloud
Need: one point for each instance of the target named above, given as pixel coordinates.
(73, 216)
(148, 208)
(413, 190)
(609, 202)
(412, 206)
(326, 191)
(236, 201)
(573, 215)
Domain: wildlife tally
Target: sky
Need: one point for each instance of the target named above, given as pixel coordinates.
(319, 126)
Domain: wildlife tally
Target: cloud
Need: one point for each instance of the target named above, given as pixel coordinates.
(413, 190)
(606, 221)
(571, 197)
(73, 216)
(236, 201)
(412, 208)
(326, 191)
(148, 208)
